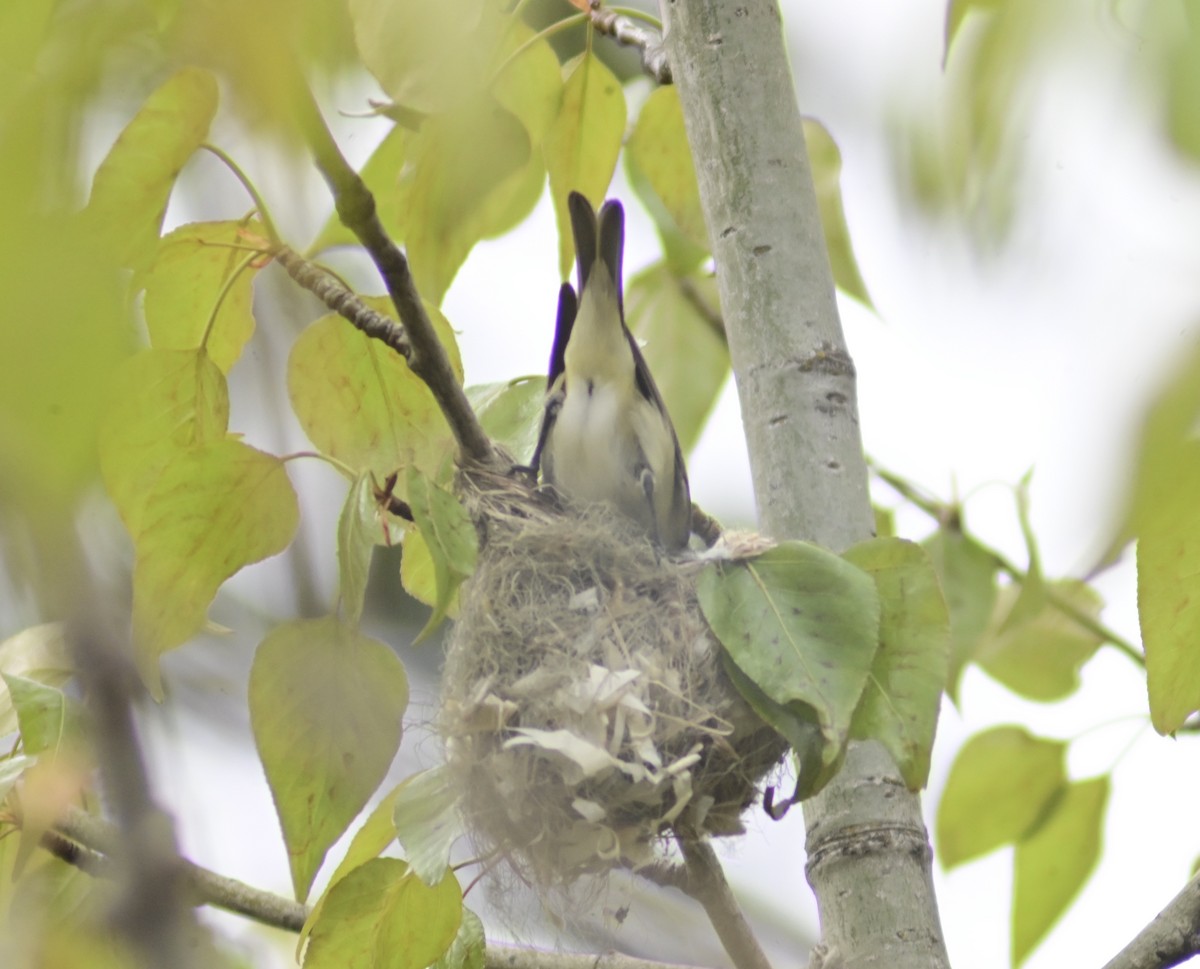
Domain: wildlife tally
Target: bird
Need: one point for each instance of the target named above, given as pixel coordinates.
(606, 435)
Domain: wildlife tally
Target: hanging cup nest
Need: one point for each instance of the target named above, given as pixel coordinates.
(585, 710)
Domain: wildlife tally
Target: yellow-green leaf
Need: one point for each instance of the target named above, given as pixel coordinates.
(326, 704)
(900, 703)
(511, 413)
(164, 404)
(426, 820)
(1054, 862)
(133, 183)
(530, 85)
(358, 401)
(679, 320)
(381, 914)
(967, 574)
(42, 713)
(1040, 656)
(37, 653)
(469, 946)
(661, 171)
(1001, 785)
(582, 145)
(826, 162)
(198, 289)
(803, 625)
(1168, 567)
(358, 532)
(449, 536)
(211, 511)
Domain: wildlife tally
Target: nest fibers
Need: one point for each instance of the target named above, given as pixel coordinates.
(585, 712)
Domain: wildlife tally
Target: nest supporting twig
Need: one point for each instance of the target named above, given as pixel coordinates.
(585, 711)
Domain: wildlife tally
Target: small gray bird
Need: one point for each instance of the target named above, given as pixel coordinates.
(606, 435)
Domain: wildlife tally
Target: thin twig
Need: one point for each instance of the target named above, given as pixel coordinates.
(706, 884)
(514, 957)
(356, 208)
(625, 30)
(1172, 937)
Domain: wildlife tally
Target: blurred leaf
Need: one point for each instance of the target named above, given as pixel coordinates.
(358, 402)
(427, 56)
(381, 914)
(1168, 570)
(37, 653)
(661, 172)
(473, 174)
(967, 574)
(133, 183)
(899, 706)
(826, 163)
(468, 949)
(511, 413)
(956, 12)
(1054, 862)
(369, 841)
(685, 348)
(1040, 657)
(449, 536)
(211, 511)
(427, 823)
(1032, 594)
(164, 403)
(326, 706)
(381, 173)
(1002, 783)
(581, 147)
(1182, 69)
(358, 532)
(11, 769)
(417, 574)
(530, 85)
(885, 522)
(41, 712)
(194, 267)
(803, 624)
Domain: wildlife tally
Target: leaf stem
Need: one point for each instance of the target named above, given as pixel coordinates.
(226, 286)
(263, 212)
(341, 466)
(548, 32)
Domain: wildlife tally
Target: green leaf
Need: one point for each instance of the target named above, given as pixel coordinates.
(326, 704)
(967, 574)
(369, 841)
(1001, 785)
(11, 769)
(826, 163)
(473, 173)
(165, 403)
(660, 168)
(469, 946)
(1040, 657)
(685, 346)
(133, 183)
(1054, 862)
(358, 402)
(803, 624)
(449, 535)
(358, 532)
(956, 13)
(41, 712)
(511, 413)
(530, 85)
(37, 653)
(899, 706)
(211, 511)
(427, 822)
(582, 145)
(1032, 592)
(381, 914)
(1168, 569)
(198, 289)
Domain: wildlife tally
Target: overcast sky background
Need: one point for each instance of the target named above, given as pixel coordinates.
(979, 366)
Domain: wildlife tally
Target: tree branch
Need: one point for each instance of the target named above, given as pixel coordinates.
(356, 207)
(499, 956)
(627, 31)
(1172, 937)
(706, 883)
(797, 387)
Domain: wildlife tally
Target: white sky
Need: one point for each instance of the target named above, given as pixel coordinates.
(978, 368)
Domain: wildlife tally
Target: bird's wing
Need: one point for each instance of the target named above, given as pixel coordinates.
(556, 377)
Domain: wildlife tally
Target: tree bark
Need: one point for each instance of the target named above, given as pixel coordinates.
(869, 861)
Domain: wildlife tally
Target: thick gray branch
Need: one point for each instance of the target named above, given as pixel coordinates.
(796, 381)
(1171, 938)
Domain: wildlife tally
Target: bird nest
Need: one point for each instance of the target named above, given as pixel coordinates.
(585, 711)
